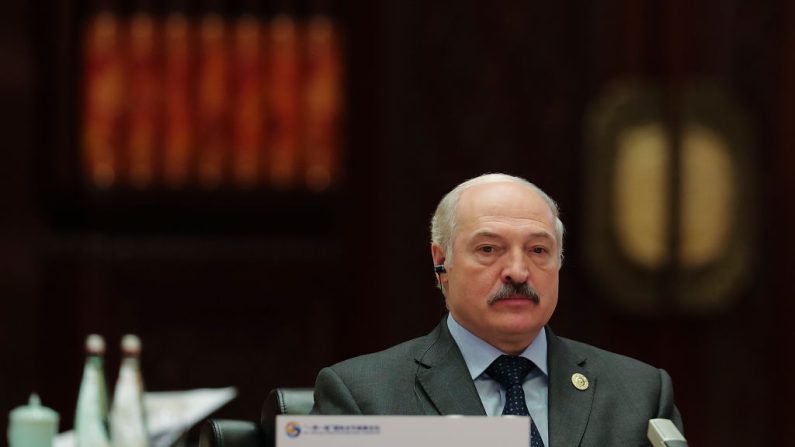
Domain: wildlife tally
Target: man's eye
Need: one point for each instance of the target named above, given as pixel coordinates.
(539, 250)
(487, 249)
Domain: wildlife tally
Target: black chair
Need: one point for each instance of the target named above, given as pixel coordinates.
(235, 433)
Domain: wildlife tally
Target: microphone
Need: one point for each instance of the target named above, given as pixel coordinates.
(439, 268)
(663, 433)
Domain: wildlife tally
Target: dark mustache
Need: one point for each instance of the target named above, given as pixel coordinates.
(512, 289)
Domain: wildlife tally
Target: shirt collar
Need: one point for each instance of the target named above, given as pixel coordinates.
(479, 354)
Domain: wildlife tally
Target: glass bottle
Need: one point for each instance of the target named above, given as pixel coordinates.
(127, 416)
(91, 416)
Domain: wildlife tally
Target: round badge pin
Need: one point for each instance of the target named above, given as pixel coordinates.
(579, 381)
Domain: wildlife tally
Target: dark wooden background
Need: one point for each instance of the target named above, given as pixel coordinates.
(261, 290)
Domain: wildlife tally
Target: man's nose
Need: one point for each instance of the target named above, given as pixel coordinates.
(516, 269)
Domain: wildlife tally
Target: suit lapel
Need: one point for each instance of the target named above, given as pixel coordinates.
(569, 407)
(444, 377)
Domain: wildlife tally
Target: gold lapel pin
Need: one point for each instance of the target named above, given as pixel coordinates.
(579, 381)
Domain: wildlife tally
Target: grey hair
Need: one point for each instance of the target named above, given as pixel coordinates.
(443, 222)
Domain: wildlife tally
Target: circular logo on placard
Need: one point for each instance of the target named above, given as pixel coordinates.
(292, 429)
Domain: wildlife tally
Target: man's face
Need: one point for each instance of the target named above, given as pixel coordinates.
(505, 236)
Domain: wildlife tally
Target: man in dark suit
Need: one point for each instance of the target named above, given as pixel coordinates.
(497, 246)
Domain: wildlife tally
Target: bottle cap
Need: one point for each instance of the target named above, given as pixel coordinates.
(95, 344)
(131, 344)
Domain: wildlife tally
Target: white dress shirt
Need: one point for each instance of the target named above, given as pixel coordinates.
(478, 355)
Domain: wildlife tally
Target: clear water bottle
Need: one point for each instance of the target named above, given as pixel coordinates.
(127, 415)
(91, 416)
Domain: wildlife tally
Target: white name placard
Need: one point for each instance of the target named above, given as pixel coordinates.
(402, 431)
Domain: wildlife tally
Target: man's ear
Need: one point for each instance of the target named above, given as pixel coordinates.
(438, 254)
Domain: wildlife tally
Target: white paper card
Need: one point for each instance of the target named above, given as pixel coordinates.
(171, 413)
(402, 431)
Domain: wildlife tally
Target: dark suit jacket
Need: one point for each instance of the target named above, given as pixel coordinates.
(428, 376)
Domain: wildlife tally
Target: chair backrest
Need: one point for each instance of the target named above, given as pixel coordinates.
(234, 433)
(286, 401)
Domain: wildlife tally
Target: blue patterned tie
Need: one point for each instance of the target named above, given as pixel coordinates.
(510, 371)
